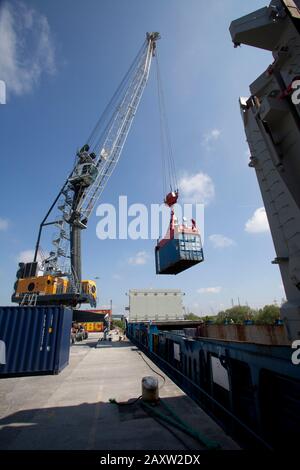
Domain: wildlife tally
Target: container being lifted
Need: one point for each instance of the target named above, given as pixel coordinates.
(181, 248)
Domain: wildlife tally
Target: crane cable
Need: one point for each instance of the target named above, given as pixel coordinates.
(168, 163)
(95, 137)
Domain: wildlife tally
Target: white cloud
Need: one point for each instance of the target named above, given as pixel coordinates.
(197, 188)
(117, 277)
(210, 137)
(3, 224)
(26, 47)
(258, 223)
(26, 256)
(140, 258)
(209, 290)
(220, 241)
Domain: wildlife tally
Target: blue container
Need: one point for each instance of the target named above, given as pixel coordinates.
(36, 340)
(178, 254)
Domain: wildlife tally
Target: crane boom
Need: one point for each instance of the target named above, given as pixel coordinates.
(109, 150)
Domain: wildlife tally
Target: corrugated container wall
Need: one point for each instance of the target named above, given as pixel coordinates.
(178, 254)
(34, 340)
(159, 305)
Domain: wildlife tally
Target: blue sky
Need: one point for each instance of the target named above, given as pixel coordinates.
(61, 61)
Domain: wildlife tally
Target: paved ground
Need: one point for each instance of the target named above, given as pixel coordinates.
(72, 410)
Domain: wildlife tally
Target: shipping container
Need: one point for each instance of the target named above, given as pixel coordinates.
(159, 305)
(175, 255)
(34, 340)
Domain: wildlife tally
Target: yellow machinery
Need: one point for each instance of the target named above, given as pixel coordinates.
(50, 289)
(42, 285)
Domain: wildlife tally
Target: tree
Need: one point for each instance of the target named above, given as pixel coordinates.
(209, 318)
(192, 316)
(120, 324)
(267, 315)
(237, 314)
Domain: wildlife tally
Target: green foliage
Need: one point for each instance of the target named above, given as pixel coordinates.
(192, 316)
(120, 324)
(237, 314)
(211, 318)
(267, 315)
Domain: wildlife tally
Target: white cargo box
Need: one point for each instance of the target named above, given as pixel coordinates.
(156, 305)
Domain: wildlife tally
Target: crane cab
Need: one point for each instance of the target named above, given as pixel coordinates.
(84, 173)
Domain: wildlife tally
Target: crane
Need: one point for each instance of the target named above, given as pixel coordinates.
(272, 125)
(57, 277)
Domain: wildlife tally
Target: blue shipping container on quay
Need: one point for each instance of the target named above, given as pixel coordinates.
(34, 340)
